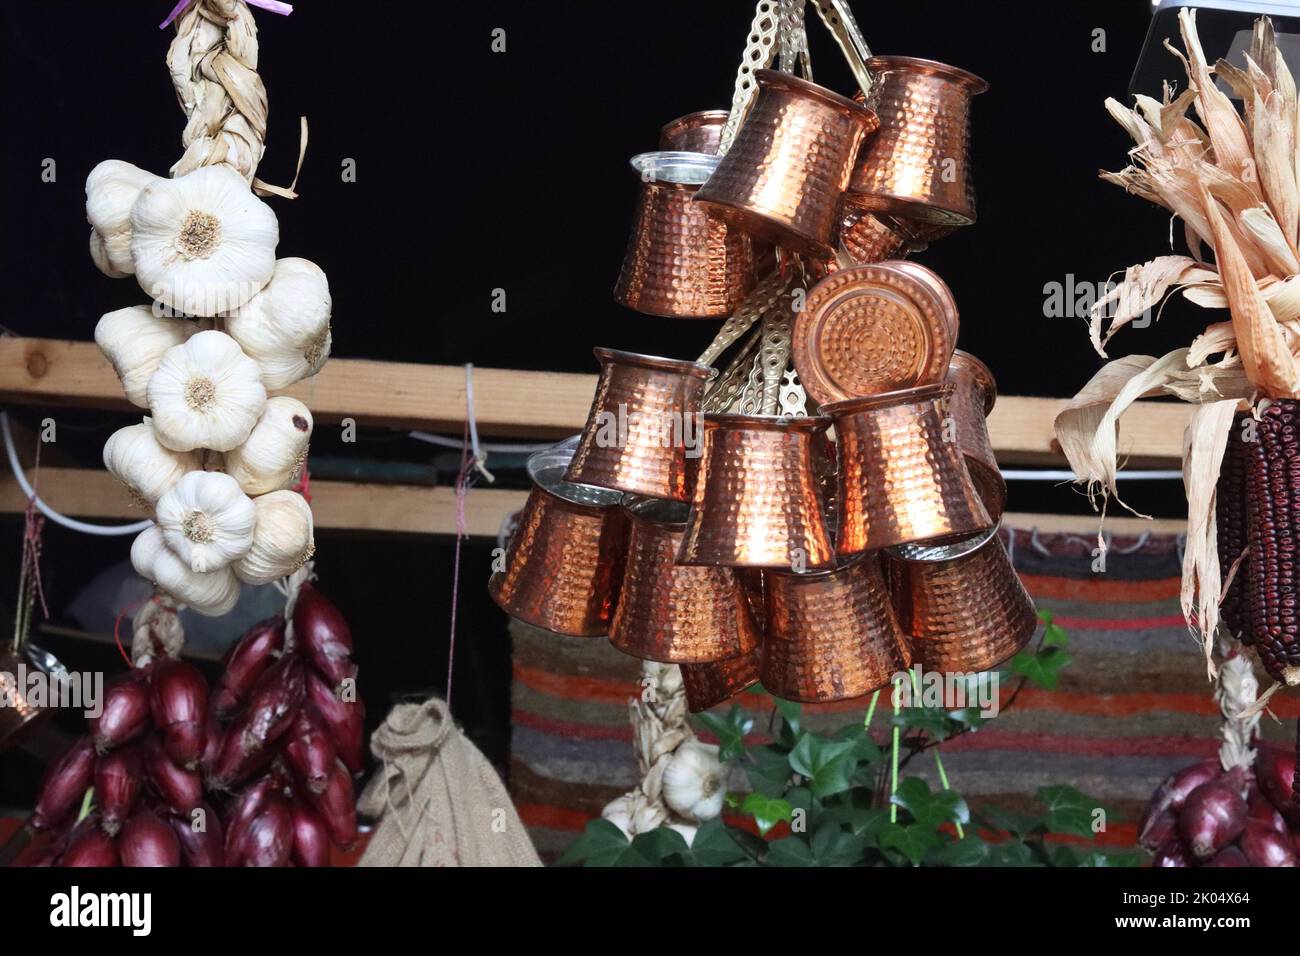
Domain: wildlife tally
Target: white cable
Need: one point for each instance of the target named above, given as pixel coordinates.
(1014, 474)
(70, 523)
(499, 447)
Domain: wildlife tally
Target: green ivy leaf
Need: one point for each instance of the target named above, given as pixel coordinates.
(865, 750)
(659, 844)
(930, 809)
(913, 841)
(768, 769)
(790, 851)
(1042, 667)
(1068, 810)
(713, 846)
(831, 846)
(603, 844)
(1010, 853)
(827, 764)
(970, 851)
(1100, 858)
(1054, 636)
(791, 718)
(931, 721)
(1021, 824)
(730, 730)
(1063, 855)
(767, 811)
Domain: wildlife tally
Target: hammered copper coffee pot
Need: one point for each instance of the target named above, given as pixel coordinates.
(789, 164)
(564, 563)
(680, 261)
(918, 165)
(974, 393)
(675, 613)
(643, 427)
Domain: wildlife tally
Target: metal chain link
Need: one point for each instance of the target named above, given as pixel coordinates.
(760, 51)
(751, 310)
(839, 21)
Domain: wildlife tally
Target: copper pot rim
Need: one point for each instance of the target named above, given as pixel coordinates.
(638, 508)
(775, 79)
(982, 373)
(887, 63)
(607, 356)
(706, 163)
(692, 121)
(817, 574)
(546, 469)
(764, 228)
(808, 423)
(909, 207)
(944, 552)
(902, 396)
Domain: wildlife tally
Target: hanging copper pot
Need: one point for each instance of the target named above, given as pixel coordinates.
(867, 237)
(19, 713)
(974, 393)
(756, 500)
(831, 635)
(699, 132)
(643, 426)
(676, 613)
(963, 612)
(918, 165)
(902, 478)
(565, 561)
(708, 685)
(789, 163)
(680, 261)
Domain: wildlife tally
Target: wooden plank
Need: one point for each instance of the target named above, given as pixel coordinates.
(521, 404)
(84, 493)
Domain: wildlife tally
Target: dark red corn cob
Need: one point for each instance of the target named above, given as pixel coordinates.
(1230, 511)
(1273, 507)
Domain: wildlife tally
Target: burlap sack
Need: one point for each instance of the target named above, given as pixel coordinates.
(436, 799)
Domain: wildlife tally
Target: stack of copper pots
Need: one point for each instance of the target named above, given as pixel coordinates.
(825, 553)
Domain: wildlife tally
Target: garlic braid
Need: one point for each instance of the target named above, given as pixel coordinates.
(213, 64)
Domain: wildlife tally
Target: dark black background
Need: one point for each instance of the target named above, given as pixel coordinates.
(479, 170)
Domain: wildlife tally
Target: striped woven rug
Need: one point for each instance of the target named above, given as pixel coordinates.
(1133, 705)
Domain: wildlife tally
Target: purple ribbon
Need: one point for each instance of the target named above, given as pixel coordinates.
(272, 6)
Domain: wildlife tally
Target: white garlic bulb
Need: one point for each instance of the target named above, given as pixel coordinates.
(619, 812)
(285, 328)
(205, 393)
(203, 243)
(272, 456)
(687, 830)
(693, 781)
(134, 341)
(137, 459)
(111, 190)
(282, 538)
(213, 593)
(206, 520)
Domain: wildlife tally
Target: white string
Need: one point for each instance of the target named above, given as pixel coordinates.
(70, 523)
(480, 456)
(504, 448)
(1024, 474)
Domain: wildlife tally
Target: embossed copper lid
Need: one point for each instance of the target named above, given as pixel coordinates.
(869, 329)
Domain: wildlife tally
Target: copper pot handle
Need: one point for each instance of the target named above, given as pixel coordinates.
(840, 22)
(760, 51)
(758, 302)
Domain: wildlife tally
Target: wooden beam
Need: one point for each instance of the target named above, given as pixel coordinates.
(518, 403)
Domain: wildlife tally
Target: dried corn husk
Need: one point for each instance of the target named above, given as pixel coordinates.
(1142, 287)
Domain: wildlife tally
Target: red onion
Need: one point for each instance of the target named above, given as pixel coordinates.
(179, 789)
(271, 711)
(1260, 807)
(64, 785)
(1158, 830)
(245, 806)
(245, 662)
(1264, 846)
(212, 737)
(1213, 815)
(267, 839)
(311, 839)
(117, 785)
(322, 632)
(178, 702)
(344, 721)
(89, 845)
(1228, 857)
(201, 837)
(337, 805)
(1171, 853)
(125, 713)
(1169, 796)
(148, 841)
(310, 752)
(42, 850)
(1275, 770)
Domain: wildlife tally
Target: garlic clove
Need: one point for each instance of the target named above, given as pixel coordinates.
(272, 456)
(206, 520)
(282, 538)
(203, 243)
(205, 393)
(212, 594)
(694, 785)
(148, 469)
(111, 190)
(134, 341)
(285, 328)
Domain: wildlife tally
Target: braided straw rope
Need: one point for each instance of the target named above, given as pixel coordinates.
(213, 65)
